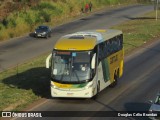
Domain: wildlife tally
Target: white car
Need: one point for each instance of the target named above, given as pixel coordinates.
(155, 107)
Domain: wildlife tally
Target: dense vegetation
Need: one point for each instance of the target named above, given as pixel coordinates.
(22, 16)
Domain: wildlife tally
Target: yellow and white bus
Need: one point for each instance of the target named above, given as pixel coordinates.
(84, 63)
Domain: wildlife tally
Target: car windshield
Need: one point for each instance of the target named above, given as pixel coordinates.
(157, 101)
(71, 67)
(42, 28)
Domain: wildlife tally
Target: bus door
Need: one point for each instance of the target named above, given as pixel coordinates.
(104, 63)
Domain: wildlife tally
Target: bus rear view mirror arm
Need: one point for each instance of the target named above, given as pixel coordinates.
(48, 61)
(93, 62)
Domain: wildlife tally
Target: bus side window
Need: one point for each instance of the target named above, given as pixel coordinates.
(121, 40)
(120, 37)
(118, 43)
(101, 51)
(105, 49)
(112, 46)
(115, 48)
(108, 48)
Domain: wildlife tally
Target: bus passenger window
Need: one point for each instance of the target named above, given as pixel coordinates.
(111, 47)
(105, 50)
(101, 51)
(108, 48)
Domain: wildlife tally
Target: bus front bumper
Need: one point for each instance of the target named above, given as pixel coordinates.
(69, 93)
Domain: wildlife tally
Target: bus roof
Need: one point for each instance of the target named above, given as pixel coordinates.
(85, 40)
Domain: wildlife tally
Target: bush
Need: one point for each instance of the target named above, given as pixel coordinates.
(11, 35)
(4, 34)
(38, 19)
(5, 22)
(2, 26)
(46, 16)
(28, 20)
(44, 5)
(12, 23)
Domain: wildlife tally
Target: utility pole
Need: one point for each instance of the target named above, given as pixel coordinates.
(157, 9)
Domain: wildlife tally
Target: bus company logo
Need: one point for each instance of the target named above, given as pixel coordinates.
(21, 114)
(6, 114)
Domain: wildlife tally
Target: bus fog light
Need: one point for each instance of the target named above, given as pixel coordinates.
(53, 86)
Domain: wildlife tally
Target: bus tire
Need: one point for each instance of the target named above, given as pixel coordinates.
(118, 76)
(115, 82)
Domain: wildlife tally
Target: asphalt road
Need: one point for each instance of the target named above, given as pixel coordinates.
(17, 51)
(139, 84)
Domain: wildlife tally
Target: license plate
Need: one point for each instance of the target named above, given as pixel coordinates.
(39, 35)
(70, 94)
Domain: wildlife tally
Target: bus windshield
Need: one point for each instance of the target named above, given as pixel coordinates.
(71, 67)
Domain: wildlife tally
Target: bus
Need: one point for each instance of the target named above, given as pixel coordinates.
(84, 63)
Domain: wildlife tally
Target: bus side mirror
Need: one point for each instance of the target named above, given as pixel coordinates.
(48, 61)
(93, 61)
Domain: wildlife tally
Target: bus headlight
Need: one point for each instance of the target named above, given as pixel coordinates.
(52, 85)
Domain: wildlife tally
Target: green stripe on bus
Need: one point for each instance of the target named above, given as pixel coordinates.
(79, 85)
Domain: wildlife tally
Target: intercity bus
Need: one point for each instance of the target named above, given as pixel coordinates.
(86, 62)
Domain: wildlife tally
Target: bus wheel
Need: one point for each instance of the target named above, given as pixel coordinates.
(115, 81)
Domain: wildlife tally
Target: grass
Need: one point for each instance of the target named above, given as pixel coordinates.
(29, 82)
(24, 84)
(48, 12)
(139, 31)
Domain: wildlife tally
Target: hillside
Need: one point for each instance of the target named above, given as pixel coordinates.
(9, 6)
(18, 17)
